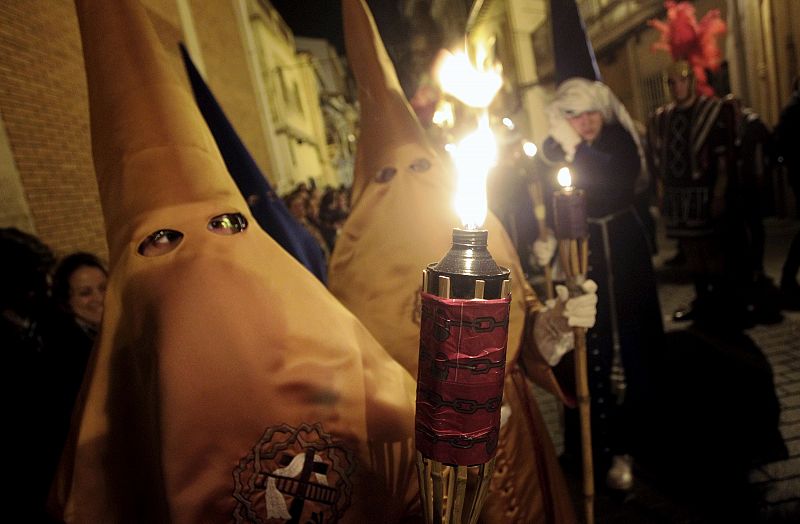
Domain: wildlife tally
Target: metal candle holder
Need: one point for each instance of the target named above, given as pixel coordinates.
(463, 335)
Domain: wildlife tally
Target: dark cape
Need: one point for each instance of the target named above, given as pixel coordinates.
(45, 363)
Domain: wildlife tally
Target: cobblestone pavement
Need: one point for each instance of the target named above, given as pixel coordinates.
(778, 483)
(775, 486)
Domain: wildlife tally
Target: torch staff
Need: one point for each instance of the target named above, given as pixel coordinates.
(460, 380)
(573, 255)
(569, 206)
(447, 505)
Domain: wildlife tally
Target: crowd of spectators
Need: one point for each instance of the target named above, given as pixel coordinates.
(50, 312)
(321, 212)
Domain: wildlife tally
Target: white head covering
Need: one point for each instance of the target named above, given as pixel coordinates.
(579, 95)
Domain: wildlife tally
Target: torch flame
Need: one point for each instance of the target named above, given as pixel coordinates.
(564, 177)
(443, 116)
(459, 78)
(474, 157)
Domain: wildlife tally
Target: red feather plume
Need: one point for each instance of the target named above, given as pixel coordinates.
(687, 39)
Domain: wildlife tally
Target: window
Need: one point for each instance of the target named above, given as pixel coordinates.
(654, 93)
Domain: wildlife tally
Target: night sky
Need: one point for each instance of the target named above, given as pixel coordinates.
(323, 18)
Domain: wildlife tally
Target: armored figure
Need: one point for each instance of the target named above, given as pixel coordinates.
(692, 153)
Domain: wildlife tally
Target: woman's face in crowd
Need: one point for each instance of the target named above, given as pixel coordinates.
(87, 289)
(588, 124)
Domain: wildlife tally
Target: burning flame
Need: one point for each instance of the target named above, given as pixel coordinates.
(474, 157)
(530, 149)
(444, 115)
(459, 78)
(476, 154)
(564, 178)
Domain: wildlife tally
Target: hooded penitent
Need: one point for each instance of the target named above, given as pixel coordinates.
(228, 384)
(572, 52)
(267, 208)
(401, 221)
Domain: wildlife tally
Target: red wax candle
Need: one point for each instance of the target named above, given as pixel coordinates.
(569, 213)
(569, 208)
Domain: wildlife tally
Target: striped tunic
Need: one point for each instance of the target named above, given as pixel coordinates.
(691, 150)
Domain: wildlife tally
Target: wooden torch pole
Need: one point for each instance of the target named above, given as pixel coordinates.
(574, 254)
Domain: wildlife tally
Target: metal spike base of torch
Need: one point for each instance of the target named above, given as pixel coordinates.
(454, 493)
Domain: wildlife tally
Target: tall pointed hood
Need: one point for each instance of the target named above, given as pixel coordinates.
(401, 221)
(267, 207)
(387, 120)
(572, 50)
(146, 129)
(223, 369)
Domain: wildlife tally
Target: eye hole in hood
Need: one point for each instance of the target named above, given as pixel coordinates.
(164, 241)
(160, 243)
(227, 224)
(385, 174)
(420, 165)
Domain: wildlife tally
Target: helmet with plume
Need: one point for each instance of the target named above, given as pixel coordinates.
(692, 44)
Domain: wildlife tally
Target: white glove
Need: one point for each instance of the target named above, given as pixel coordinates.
(566, 136)
(552, 329)
(544, 250)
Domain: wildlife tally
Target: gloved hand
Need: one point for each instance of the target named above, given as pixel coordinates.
(544, 250)
(563, 133)
(552, 329)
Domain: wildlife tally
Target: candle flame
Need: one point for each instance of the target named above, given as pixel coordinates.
(474, 157)
(564, 177)
(474, 87)
(444, 115)
(530, 149)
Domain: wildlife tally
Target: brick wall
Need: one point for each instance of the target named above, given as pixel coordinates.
(44, 107)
